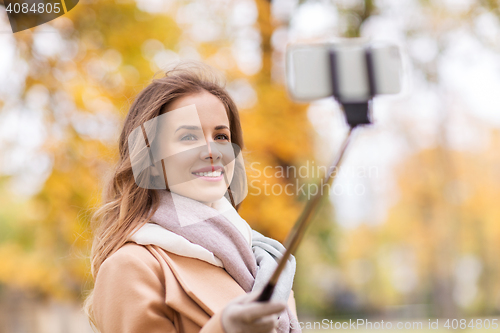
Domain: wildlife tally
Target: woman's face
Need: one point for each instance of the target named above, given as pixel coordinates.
(197, 143)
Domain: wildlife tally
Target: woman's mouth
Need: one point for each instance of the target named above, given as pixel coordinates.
(213, 176)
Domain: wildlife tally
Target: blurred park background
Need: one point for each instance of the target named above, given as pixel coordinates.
(411, 229)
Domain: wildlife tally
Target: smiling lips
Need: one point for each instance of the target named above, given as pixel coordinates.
(209, 173)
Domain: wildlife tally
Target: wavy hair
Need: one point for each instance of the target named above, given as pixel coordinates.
(126, 206)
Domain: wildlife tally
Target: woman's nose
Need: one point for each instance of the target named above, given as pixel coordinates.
(210, 151)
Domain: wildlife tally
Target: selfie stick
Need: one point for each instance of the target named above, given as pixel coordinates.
(356, 113)
(298, 231)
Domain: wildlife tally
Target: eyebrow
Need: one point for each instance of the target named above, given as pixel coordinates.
(221, 127)
(218, 127)
(187, 127)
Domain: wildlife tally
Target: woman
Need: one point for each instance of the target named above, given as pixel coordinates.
(171, 253)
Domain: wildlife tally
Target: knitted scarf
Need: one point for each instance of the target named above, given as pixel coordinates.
(250, 267)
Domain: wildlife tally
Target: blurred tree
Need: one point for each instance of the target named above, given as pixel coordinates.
(278, 136)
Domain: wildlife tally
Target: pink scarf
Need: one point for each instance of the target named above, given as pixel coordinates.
(207, 227)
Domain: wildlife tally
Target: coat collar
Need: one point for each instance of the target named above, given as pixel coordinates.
(208, 286)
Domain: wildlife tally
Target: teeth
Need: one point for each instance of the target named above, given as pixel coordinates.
(209, 174)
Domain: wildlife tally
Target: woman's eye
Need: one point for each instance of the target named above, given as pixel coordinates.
(189, 137)
(222, 137)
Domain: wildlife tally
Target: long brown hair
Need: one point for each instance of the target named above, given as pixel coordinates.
(126, 206)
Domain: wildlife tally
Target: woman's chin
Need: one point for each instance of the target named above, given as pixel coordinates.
(204, 195)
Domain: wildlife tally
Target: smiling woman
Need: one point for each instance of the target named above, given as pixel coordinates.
(196, 141)
(170, 252)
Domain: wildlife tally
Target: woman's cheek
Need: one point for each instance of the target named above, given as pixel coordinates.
(229, 169)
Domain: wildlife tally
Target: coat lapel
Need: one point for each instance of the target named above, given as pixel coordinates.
(209, 286)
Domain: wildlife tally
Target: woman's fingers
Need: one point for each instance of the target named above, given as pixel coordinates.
(245, 315)
(262, 325)
(255, 310)
(266, 323)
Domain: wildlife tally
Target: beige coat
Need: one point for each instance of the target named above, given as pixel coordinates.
(144, 289)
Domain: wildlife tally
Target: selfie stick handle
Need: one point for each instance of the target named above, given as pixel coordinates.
(298, 231)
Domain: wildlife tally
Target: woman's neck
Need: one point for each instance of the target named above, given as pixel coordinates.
(209, 204)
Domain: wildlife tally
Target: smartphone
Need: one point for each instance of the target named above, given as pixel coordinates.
(351, 71)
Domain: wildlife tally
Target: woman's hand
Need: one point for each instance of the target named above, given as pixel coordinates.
(245, 315)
